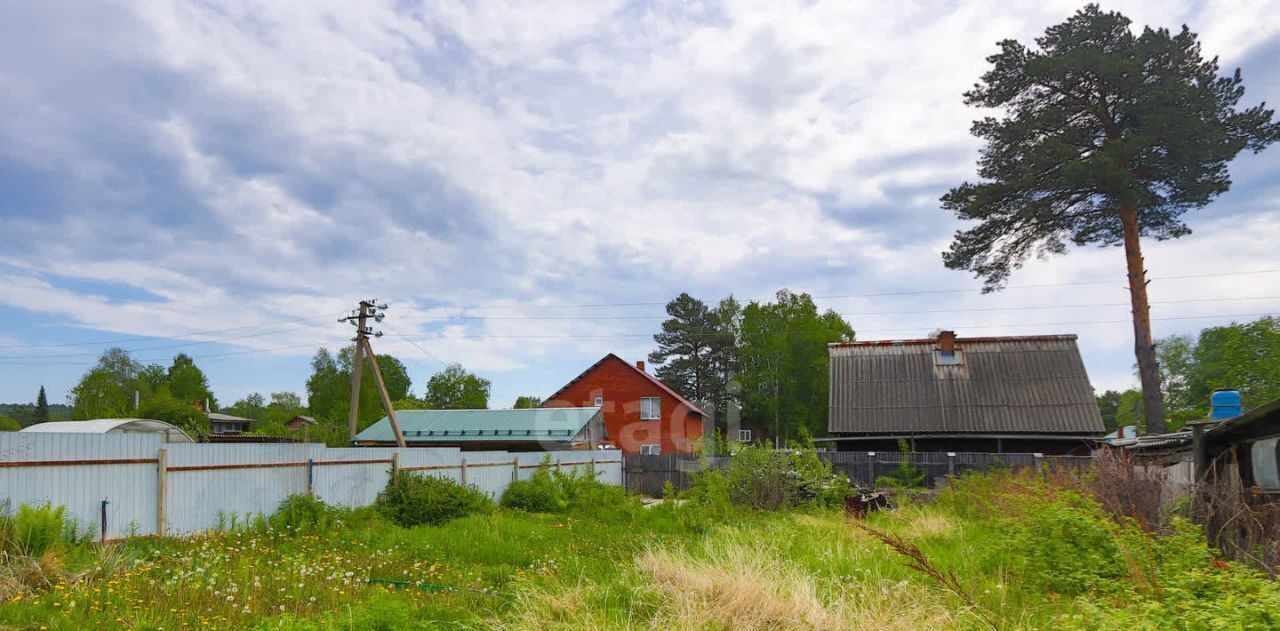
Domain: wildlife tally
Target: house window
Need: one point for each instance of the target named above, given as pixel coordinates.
(1266, 464)
(599, 401)
(650, 408)
(744, 435)
(948, 358)
(650, 450)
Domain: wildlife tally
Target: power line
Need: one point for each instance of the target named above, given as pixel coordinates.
(856, 313)
(160, 359)
(917, 328)
(870, 295)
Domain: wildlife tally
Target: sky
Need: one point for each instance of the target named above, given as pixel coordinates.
(526, 185)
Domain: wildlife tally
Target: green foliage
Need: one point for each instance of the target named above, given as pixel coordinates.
(33, 530)
(768, 479)
(573, 489)
(41, 413)
(526, 402)
(1245, 357)
(456, 389)
(783, 362)
(329, 392)
(302, 513)
(413, 500)
(410, 403)
(187, 383)
(697, 349)
(904, 476)
(538, 494)
(9, 424)
(27, 413)
(1097, 119)
(1065, 544)
(163, 407)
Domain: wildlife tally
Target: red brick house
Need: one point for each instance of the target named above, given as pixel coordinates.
(641, 414)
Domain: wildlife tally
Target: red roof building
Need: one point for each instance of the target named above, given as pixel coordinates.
(642, 415)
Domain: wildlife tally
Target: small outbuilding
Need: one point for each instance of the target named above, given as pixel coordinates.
(170, 433)
(228, 424)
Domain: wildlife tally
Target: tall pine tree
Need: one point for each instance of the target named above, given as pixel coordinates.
(1107, 137)
(41, 414)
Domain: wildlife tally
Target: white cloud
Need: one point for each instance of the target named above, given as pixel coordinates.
(595, 152)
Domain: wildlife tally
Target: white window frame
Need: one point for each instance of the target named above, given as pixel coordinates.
(650, 450)
(744, 435)
(650, 408)
(599, 401)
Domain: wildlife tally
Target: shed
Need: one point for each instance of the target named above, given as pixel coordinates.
(533, 429)
(993, 394)
(170, 433)
(228, 424)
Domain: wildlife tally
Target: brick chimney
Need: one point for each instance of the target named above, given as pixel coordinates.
(640, 365)
(947, 341)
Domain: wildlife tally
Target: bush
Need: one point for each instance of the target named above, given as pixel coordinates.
(412, 500)
(538, 494)
(904, 476)
(302, 513)
(769, 479)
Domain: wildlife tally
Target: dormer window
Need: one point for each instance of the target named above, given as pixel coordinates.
(948, 358)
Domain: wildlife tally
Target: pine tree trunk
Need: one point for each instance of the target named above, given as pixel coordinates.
(1143, 345)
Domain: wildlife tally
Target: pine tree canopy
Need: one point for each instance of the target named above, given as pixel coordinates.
(1096, 119)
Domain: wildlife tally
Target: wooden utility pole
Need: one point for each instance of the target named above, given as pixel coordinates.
(363, 350)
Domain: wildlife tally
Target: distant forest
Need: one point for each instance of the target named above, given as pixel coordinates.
(24, 413)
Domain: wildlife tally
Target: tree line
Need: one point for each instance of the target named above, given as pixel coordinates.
(767, 358)
(1239, 356)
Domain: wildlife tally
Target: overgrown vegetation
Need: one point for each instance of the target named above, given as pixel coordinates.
(415, 500)
(1005, 550)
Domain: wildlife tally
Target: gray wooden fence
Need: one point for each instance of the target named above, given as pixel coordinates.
(648, 474)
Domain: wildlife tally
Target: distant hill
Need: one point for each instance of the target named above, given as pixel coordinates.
(24, 412)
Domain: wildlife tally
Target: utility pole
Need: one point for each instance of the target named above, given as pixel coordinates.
(359, 319)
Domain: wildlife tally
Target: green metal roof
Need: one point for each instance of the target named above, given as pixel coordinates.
(536, 424)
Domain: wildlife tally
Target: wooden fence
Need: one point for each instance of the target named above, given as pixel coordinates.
(648, 474)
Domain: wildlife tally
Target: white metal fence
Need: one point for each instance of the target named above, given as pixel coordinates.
(143, 486)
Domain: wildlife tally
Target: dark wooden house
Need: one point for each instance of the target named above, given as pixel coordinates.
(980, 394)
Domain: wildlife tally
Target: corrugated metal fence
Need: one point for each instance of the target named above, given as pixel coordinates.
(648, 474)
(144, 486)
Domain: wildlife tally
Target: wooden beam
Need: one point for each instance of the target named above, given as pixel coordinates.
(382, 392)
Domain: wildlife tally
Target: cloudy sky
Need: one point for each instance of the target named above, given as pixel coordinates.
(527, 185)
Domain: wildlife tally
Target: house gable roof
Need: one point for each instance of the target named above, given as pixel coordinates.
(999, 385)
(657, 382)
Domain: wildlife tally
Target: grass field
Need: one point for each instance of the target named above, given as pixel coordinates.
(1001, 551)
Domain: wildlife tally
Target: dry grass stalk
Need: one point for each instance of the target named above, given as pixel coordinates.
(1126, 489)
(917, 561)
(1244, 526)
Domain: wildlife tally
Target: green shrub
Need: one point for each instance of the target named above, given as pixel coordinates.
(539, 494)
(904, 476)
(302, 513)
(412, 500)
(769, 479)
(1064, 544)
(32, 530)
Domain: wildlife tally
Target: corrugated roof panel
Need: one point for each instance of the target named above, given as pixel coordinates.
(1002, 385)
(536, 424)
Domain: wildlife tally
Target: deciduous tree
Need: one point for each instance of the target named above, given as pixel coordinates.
(456, 389)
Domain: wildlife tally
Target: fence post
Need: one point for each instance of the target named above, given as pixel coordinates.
(558, 464)
(310, 476)
(464, 472)
(1037, 461)
(871, 467)
(395, 467)
(162, 473)
(951, 464)
(515, 469)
